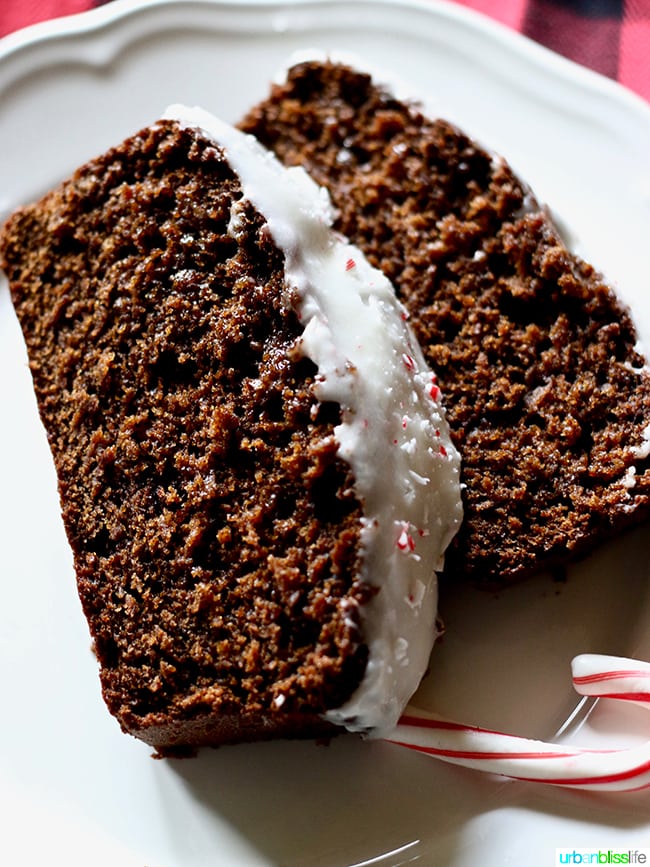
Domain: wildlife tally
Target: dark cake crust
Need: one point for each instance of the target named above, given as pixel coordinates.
(535, 354)
(215, 532)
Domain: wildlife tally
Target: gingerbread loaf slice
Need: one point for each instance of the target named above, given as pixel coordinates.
(548, 398)
(243, 431)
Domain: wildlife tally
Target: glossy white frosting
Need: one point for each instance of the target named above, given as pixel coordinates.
(393, 431)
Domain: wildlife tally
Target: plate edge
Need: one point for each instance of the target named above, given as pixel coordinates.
(92, 21)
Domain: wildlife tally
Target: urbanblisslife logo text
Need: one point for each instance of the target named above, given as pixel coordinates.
(602, 856)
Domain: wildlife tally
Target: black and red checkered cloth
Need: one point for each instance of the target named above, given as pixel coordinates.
(611, 37)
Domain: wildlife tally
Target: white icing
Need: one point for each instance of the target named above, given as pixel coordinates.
(629, 478)
(393, 431)
(642, 451)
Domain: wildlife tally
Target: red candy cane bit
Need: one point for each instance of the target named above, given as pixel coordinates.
(626, 769)
(405, 541)
(443, 451)
(409, 363)
(350, 264)
(434, 391)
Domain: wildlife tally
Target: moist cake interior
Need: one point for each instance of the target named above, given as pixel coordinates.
(214, 529)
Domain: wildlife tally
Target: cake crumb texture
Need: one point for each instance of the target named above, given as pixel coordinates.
(546, 394)
(215, 531)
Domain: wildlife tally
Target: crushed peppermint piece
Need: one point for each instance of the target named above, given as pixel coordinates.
(408, 361)
(405, 541)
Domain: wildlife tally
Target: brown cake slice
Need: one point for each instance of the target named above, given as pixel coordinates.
(243, 431)
(548, 398)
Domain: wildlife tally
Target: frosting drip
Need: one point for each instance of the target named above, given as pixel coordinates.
(393, 431)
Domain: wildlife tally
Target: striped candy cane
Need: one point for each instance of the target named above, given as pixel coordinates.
(535, 761)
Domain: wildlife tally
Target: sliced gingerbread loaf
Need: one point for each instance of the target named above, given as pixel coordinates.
(547, 396)
(209, 431)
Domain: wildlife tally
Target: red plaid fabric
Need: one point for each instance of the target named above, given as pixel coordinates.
(609, 36)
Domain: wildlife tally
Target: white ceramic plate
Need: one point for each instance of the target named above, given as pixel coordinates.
(73, 789)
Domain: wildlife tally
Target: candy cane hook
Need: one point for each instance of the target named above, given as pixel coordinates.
(623, 769)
